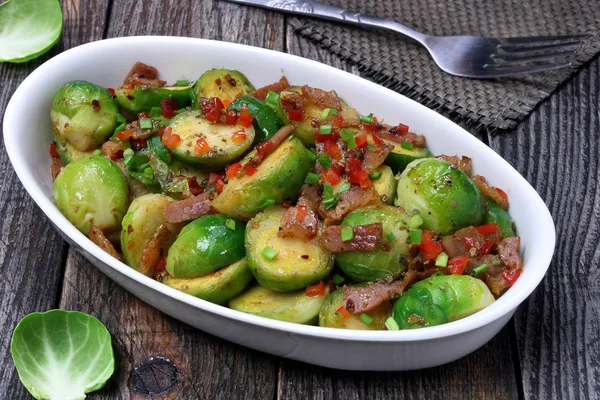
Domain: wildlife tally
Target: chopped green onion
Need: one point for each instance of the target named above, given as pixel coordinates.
(325, 113)
(266, 203)
(480, 269)
(348, 137)
(366, 318)
(312, 154)
(338, 279)
(121, 119)
(183, 82)
(343, 187)
(272, 98)
(441, 260)
(127, 152)
(347, 233)
(269, 253)
(145, 123)
(156, 112)
(416, 236)
(375, 175)
(329, 199)
(367, 119)
(391, 324)
(312, 178)
(416, 221)
(230, 224)
(407, 145)
(390, 236)
(97, 152)
(325, 129)
(323, 159)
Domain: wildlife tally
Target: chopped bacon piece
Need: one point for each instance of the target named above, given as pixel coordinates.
(133, 130)
(293, 103)
(508, 250)
(162, 239)
(275, 141)
(365, 238)
(55, 168)
(463, 163)
(142, 74)
(112, 150)
(350, 200)
(309, 197)
(490, 191)
(190, 208)
(321, 97)
(277, 87)
(294, 224)
(359, 299)
(375, 157)
(394, 134)
(469, 240)
(97, 236)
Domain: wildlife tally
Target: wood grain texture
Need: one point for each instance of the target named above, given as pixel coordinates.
(32, 253)
(205, 367)
(488, 373)
(558, 329)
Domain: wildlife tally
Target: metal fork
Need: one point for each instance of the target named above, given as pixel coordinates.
(466, 56)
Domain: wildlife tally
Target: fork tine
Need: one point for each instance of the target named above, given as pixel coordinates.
(515, 48)
(498, 70)
(541, 39)
(526, 57)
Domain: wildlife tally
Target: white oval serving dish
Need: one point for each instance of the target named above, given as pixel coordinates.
(27, 133)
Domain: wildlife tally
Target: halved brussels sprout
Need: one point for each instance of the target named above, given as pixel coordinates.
(386, 184)
(297, 263)
(389, 260)
(205, 245)
(226, 84)
(441, 299)
(222, 146)
(92, 191)
(219, 286)
(144, 216)
(279, 177)
(329, 316)
(304, 129)
(400, 157)
(498, 215)
(143, 98)
(294, 307)
(67, 152)
(266, 121)
(443, 195)
(84, 114)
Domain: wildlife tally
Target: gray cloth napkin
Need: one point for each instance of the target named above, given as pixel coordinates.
(404, 66)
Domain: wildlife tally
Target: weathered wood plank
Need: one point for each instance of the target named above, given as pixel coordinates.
(487, 373)
(205, 366)
(31, 252)
(557, 150)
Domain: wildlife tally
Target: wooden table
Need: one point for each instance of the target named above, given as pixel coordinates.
(551, 349)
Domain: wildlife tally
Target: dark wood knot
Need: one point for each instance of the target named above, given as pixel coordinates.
(156, 375)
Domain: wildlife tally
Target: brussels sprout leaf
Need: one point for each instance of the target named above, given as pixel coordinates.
(62, 354)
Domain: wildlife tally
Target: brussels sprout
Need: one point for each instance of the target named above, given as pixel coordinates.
(84, 114)
(294, 307)
(330, 318)
(222, 147)
(226, 84)
(143, 98)
(386, 184)
(92, 191)
(443, 195)
(180, 168)
(205, 245)
(297, 264)
(400, 157)
(217, 287)
(136, 188)
(441, 299)
(266, 121)
(278, 178)
(67, 152)
(498, 215)
(389, 260)
(144, 216)
(304, 129)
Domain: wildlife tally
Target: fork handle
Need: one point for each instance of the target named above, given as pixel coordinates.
(317, 10)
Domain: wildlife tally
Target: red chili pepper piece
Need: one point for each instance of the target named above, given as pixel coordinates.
(294, 115)
(338, 121)
(195, 188)
(470, 242)
(232, 170)
(486, 247)
(361, 140)
(238, 137)
(502, 193)
(249, 170)
(216, 181)
(201, 147)
(231, 117)
(458, 264)
(488, 229)
(330, 175)
(333, 150)
(111, 90)
(356, 174)
(168, 107)
(343, 312)
(211, 108)
(377, 140)
(402, 129)
(264, 148)
(316, 290)
(245, 118)
(53, 151)
(301, 213)
(511, 276)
